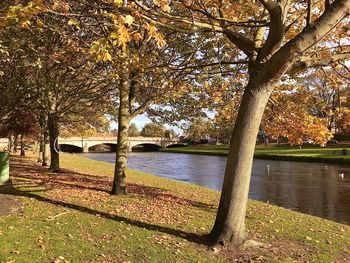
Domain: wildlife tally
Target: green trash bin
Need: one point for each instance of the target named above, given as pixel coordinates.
(4, 168)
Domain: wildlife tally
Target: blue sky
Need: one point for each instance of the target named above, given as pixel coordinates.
(142, 119)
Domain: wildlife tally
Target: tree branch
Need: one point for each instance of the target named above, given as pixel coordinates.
(308, 16)
(243, 43)
(276, 33)
(284, 57)
(308, 62)
(140, 109)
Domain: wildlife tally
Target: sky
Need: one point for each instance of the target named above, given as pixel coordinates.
(142, 119)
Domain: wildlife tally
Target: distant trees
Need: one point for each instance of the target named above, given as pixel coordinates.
(133, 130)
(197, 129)
(153, 130)
(19, 125)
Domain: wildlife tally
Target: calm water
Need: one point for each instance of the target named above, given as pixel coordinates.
(311, 188)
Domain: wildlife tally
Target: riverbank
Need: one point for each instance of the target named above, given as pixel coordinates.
(330, 154)
(71, 217)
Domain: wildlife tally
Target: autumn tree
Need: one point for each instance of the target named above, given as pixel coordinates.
(138, 57)
(66, 83)
(133, 130)
(21, 124)
(288, 115)
(275, 38)
(198, 129)
(153, 130)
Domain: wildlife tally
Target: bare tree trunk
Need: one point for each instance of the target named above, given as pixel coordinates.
(41, 147)
(53, 134)
(45, 146)
(15, 143)
(11, 144)
(266, 140)
(119, 183)
(229, 227)
(22, 146)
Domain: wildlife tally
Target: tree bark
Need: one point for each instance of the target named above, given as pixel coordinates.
(41, 148)
(15, 143)
(22, 146)
(119, 183)
(11, 144)
(229, 227)
(53, 134)
(45, 146)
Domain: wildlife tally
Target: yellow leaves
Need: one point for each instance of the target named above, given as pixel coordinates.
(117, 3)
(55, 5)
(72, 22)
(137, 37)
(65, 7)
(159, 40)
(123, 37)
(25, 24)
(100, 50)
(39, 22)
(163, 4)
(289, 117)
(151, 29)
(129, 20)
(21, 14)
(152, 33)
(106, 56)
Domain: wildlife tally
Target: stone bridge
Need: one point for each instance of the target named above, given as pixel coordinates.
(85, 143)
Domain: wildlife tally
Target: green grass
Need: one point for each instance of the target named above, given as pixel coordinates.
(293, 153)
(70, 217)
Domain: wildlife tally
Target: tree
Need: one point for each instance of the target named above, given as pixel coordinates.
(133, 130)
(20, 124)
(153, 130)
(288, 115)
(197, 129)
(66, 84)
(138, 58)
(275, 39)
(170, 134)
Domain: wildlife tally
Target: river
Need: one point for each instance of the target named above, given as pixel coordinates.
(311, 188)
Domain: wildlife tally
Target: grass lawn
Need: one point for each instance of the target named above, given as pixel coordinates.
(70, 217)
(294, 153)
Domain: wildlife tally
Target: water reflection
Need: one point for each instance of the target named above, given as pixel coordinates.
(311, 188)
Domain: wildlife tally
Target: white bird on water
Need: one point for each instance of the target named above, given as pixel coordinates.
(341, 176)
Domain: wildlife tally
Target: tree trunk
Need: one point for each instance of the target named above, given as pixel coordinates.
(119, 183)
(53, 134)
(229, 227)
(45, 146)
(22, 146)
(15, 143)
(11, 144)
(266, 140)
(41, 148)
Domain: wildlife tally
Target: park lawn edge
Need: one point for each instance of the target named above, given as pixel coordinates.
(263, 156)
(315, 239)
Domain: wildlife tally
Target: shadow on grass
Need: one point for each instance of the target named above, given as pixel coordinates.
(10, 190)
(67, 179)
(25, 174)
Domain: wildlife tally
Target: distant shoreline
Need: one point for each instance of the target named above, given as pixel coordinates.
(268, 153)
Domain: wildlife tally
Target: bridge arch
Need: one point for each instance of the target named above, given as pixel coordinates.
(176, 145)
(103, 147)
(69, 148)
(145, 147)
